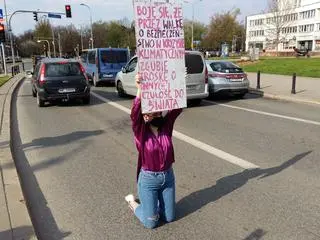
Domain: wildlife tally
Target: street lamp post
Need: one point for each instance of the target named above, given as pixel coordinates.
(192, 24)
(49, 53)
(81, 36)
(4, 52)
(85, 5)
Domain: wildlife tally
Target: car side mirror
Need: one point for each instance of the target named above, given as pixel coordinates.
(124, 70)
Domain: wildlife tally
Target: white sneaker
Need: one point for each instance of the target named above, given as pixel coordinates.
(129, 198)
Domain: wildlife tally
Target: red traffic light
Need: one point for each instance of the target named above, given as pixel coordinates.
(2, 33)
(68, 11)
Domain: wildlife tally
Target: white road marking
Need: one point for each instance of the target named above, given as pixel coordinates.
(114, 104)
(194, 142)
(267, 113)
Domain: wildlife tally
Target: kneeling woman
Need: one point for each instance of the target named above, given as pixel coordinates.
(156, 181)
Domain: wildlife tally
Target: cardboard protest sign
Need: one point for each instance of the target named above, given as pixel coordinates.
(161, 54)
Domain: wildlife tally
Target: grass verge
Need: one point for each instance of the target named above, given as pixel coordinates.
(3, 80)
(304, 67)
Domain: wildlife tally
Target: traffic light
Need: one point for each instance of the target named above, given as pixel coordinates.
(35, 16)
(2, 33)
(68, 11)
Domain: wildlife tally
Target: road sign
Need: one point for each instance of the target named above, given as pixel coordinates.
(53, 15)
(1, 15)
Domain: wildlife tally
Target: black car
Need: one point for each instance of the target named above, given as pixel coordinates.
(60, 79)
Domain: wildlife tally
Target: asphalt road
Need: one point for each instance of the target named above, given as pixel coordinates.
(78, 162)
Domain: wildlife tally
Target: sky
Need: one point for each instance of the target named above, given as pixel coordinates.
(118, 9)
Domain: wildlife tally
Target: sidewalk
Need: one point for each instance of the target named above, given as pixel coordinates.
(15, 223)
(279, 87)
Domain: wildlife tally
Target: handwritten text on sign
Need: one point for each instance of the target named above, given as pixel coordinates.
(160, 51)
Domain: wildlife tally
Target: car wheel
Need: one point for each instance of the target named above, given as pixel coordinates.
(40, 102)
(34, 94)
(86, 100)
(120, 90)
(195, 102)
(95, 83)
(241, 95)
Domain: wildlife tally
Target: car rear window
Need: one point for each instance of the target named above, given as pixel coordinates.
(194, 64)
(225, 67)
(63, 69)
(108, 56)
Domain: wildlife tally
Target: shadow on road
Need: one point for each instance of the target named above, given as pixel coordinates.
(4, 144)
(73, 103)
(256, 235)
(60, 140)
(25, 232)
(42, 218)
(58, 160)
(226, 185)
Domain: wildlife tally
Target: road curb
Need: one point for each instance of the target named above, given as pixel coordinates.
(282, 98)
(19, 225)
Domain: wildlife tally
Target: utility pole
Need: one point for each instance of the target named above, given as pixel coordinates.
(53, 40)
(81, 33)
(60, 50)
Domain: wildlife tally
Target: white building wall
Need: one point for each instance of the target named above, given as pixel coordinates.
(308, 2)
(307, 26)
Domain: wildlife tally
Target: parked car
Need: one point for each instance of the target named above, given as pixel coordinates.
(60, 79)
(103, 64)
(226, 77)
(196, 81)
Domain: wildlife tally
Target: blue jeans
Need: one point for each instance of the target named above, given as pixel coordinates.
(156, 192)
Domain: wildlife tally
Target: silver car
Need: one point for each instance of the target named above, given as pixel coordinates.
(226, 77)
(196, 80)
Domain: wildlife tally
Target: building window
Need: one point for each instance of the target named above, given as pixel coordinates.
(290, 17)
(257, 22)
(258, 33)
(287, 30)
(308, 14)
(318, 27)
(268, 20)
(306, 28)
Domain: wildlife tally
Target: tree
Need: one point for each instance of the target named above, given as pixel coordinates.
(70, 39)
(281, 17)
(43, 30)
(199, 30)
(27, 45)
(222, 29)
(114, 34)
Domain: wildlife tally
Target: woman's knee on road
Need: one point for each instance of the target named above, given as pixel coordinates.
(151, 222)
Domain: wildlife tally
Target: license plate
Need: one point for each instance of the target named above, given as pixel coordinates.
(191, 87)
(67, 90)
(236, 80)
(108, 76)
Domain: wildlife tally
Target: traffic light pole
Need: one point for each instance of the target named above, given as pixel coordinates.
(4, 59)
(10, 28)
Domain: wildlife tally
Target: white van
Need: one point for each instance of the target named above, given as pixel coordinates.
(196, 81)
